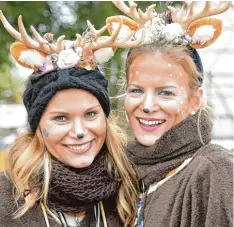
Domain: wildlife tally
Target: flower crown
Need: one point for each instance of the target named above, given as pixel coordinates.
(182, 26)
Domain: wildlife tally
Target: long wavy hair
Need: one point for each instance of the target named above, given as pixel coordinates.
(28, 159)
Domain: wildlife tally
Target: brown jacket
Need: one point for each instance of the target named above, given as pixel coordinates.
(200, 194)
(34, 217)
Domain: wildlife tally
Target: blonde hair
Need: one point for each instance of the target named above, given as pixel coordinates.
(29, 159)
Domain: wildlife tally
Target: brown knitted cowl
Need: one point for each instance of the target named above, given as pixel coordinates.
(176, 145)
(77, 189)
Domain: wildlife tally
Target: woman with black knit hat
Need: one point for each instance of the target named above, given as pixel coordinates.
(186, 180)
(70, 169)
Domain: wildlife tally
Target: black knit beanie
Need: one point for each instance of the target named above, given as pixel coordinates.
(40, 90)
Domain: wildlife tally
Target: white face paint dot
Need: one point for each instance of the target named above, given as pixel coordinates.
(169, 65)
(180, 74)
(170, 75)
(137, 72)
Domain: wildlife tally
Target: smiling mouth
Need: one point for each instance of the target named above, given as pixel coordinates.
(80, 148)
(150, 123)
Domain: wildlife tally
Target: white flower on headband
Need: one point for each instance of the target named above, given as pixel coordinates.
(103, 55)
(172, 31)
(148, 36)
(31, 58)
(67, 58)
(203, 34)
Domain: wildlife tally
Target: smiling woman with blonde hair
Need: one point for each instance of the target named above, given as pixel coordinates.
(70, 169)
(185, 179)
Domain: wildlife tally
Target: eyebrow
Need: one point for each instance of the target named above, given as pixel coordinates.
(158, 88)
(66, 113)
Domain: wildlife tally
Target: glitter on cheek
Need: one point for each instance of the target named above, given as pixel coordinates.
(45, 133)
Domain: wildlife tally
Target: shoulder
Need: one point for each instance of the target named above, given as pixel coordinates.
(7, 204)
(213, 164)
(6, 187)
(214, 156)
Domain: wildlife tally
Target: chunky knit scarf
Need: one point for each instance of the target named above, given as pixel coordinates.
(75, 190)
(176, 145)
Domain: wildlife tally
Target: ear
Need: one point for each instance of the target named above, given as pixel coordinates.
(196, 100)
(27, 57)
(209, 27)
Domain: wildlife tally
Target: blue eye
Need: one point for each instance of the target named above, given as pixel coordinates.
(60, 118)
(91, 114)
(166, 93)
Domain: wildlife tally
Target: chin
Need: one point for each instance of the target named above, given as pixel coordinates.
(147, 141)
(82, 163)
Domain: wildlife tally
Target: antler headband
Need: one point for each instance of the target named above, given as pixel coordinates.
(187, 27)
(86, 50)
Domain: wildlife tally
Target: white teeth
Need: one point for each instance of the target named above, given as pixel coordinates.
(151, 123)
(79, 147)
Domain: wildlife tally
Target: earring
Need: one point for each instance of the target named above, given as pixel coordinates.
(192, 112)
(146, 110)
(80, 135)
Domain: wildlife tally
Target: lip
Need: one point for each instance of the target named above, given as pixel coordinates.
(149, 118)
(81, 151)
(149, 128)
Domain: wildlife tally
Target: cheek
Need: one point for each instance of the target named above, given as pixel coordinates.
(131, 103)
(174, 106)
(53, 134)
(52, 129)
(98, 127)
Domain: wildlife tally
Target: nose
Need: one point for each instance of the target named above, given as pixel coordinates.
(149, 103)
(78, 128)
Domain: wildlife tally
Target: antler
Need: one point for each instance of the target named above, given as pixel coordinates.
(186, 15)
(112, 41)
(137, 15)
(40, 44)
(82, 41)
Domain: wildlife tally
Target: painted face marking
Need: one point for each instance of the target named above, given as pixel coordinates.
(45, 133)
